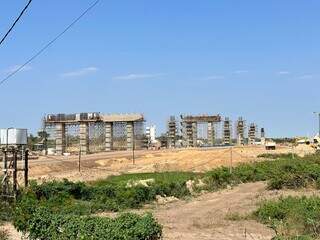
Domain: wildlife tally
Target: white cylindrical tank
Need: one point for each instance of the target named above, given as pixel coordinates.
(13, 136)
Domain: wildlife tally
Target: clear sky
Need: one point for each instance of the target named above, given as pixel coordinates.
(256, 59)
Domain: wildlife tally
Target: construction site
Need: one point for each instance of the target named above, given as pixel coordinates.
(94, 132)
(206, 131)
(89, 146)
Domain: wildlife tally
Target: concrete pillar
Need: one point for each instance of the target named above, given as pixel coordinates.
(60, 138)
(129, 135)
(194, 134)
(84, 138)
(211, 133)
(109, 136)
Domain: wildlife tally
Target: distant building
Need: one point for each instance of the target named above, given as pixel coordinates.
(151, 134)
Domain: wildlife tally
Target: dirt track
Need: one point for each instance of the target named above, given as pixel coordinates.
(206, 217)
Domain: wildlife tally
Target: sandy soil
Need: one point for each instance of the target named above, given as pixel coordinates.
(101, 165)
(201, 218)
(206, 217)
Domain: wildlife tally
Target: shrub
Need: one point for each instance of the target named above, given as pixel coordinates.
(294, 217)
(49, 226)
(65, 199)
(278, 155)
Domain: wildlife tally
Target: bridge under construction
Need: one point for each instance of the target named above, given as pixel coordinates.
(93, 132)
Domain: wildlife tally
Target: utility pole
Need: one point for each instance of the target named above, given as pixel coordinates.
(231, 159)
(79, 160)
(133, 144)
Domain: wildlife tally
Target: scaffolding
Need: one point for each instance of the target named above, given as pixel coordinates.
(252, 134)
(172, 132)
(240, 131)
(94, 132)
(189, 124)
(227, 136)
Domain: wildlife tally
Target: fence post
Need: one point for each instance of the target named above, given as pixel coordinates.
(231, 159)
(292, 151)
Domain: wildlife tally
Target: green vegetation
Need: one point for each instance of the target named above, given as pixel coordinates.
(5, 215)
(292, 217)
(41, 208)
(278, 155)
(283, 172)
(236, 217)
(44, 225)
(69, 207)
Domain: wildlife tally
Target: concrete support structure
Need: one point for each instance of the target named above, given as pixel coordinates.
(60, 133)
(59, 121)
(194, 134)
(187, 135)
(211, 134)
(227, 137)
(84, 138)
(172, 132)
(130, 135)
(109, 136)
(240, 127)
(190, 128)
(252, 134)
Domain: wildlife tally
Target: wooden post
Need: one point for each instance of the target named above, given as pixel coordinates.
(231, 159)
(15, 168)
(26, 167)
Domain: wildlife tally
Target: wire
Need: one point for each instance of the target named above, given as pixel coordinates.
(15, 22)
(50, 43)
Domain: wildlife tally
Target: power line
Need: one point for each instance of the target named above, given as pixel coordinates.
(15, 22)
(49, 43)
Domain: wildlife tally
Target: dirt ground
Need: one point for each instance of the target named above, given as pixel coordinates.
(206, 217)
(96, 166)
(201, 218)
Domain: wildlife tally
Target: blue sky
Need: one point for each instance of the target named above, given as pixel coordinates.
(256, 59)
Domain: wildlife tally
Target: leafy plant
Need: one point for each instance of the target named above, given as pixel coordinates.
(294, 217)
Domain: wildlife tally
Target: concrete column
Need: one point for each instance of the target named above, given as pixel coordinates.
(194, 134)
(211, 133)
(84, 138)
(60, 138)
(188, 134)
(109, 136)
(129, 135)
(240, 139)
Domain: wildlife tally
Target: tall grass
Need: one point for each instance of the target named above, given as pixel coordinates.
(292, 217)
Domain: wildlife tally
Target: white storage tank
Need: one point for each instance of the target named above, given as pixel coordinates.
(13, 136)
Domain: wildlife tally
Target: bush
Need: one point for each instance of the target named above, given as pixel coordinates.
(278, 155)
(67, 201)
(280, 173)
(48, 226)
(294, 217)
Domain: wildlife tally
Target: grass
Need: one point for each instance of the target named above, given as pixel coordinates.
(113, 193)
(234, 216)
(292, 217)
(278, 155)
(5, 216)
